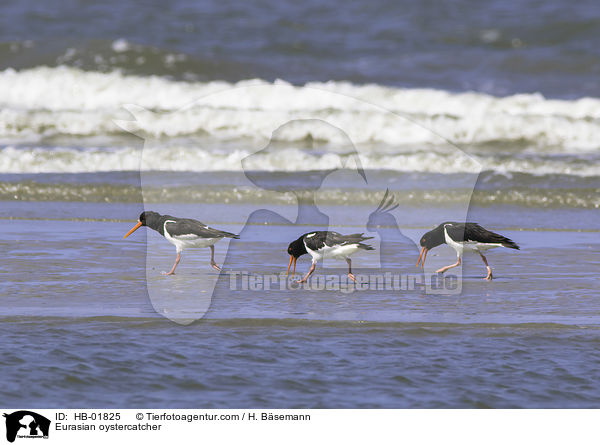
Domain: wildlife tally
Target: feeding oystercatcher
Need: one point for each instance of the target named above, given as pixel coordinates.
(182, 233)
(323, 244)
(463, 237)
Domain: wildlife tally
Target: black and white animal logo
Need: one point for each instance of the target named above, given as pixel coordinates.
(26, 424)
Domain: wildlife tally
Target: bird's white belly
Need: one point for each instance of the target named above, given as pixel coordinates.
(474, 246)
(468, 246)
(341, 252)
(182, 243)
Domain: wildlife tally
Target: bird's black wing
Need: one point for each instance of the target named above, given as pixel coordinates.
(456, 231)
(186, 226)
(317, 240)
(474, 232)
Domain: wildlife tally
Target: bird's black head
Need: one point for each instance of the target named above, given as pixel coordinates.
(431, 239)
(297, 248)
(150, 219)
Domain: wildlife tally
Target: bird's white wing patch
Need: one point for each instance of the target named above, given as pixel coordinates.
(310, 235)
(189, 236)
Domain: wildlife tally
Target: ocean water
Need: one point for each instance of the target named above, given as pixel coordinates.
(273, 125)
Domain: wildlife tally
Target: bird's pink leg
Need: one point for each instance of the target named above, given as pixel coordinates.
(489, 276)
(172, 271)
(350, 274)
(444, 269)
(310, 271)
(212, 259)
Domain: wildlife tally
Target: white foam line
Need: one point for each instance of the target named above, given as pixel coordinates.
(68, 101)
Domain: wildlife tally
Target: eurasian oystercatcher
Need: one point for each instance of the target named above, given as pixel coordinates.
(463, 237)
(183, 233)
(323, 244)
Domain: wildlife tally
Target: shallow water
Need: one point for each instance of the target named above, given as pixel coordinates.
(76, 305)
(117, 362)
(273, 125)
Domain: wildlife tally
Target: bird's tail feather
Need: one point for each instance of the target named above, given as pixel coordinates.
(506, 242)
(365, 246)
(501, 239)
(358, 237)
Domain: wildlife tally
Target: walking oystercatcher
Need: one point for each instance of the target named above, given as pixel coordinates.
(323, 244)
(463, 237)
(183, 233)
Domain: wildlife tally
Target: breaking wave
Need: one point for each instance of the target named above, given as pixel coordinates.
(44, 102)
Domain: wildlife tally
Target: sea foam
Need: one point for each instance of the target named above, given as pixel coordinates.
(42, 102)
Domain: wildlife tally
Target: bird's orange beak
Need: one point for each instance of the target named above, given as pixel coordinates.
(292, 259)
(423, 251)
(133, 229)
